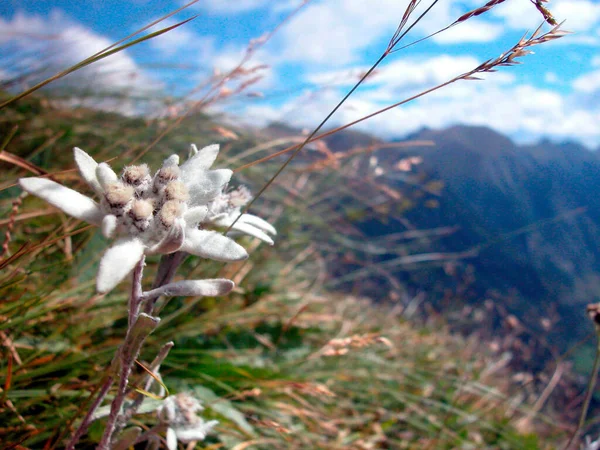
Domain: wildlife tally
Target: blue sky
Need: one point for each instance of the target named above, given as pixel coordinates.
(313, 59)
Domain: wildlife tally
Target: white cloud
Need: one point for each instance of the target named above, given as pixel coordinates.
(185, 45)
(49, 44)
(181, 38)
(518, 14)
(329, 33)
(551, 78)
(338, 32)
(580, 15)
(522, 111)
(424, 71)
(414, 73)
(588, 83)
(231, 7)
(473, 30)
(335, 32)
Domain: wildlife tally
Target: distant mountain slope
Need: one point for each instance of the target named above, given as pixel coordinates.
(533, 211)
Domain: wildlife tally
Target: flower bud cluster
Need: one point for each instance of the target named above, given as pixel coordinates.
(228, 202)
(146, 205)
(180, 409)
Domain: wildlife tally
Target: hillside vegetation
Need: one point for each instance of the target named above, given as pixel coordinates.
(282, 362)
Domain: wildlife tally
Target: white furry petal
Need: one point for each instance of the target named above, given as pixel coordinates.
(195, 432)
(252, 231)
(109, 226)
(117, 262)
(202, 159)
(213, 245)
(172, 160)
(205, 186)
(87, 169)
(172, 241)
(193, 288)
(105, 175)
(259, 223)
(195, 215)
(68, 200)
(171, 439)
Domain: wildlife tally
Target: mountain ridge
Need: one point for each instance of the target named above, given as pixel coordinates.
(530, 210)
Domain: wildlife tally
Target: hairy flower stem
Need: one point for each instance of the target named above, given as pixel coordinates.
(140, 326)
(166, 270)
(135, 298)
(87, 420)
(139, 398)
(134, 307)
(128, 353)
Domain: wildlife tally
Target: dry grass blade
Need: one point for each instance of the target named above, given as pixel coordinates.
(475, 12)
(283, 362)
(11, 224)
(399, 35)
(593, 311)
(548, 17)
(152, 375)
(506, 59)
(22, 251)
(218, 90)
(20, 162)
(9, 137)
(314, 132)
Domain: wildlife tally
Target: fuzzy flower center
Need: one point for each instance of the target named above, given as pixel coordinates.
(144, 205)
(181, 410)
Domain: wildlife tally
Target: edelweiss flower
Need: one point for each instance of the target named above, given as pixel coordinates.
(179, 413)
(148, 214)
(226, 208)
(590, 445)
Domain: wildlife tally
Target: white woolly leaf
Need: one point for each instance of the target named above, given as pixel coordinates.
(117, 262)
(87, 169)
(213, 245)
(259, 223)
(205, 186)
(172, 241)
(109, 226)
(193, 288)
(105, 175)
(68, 200)
(202, 159)
(250, 230)
(195, 215)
